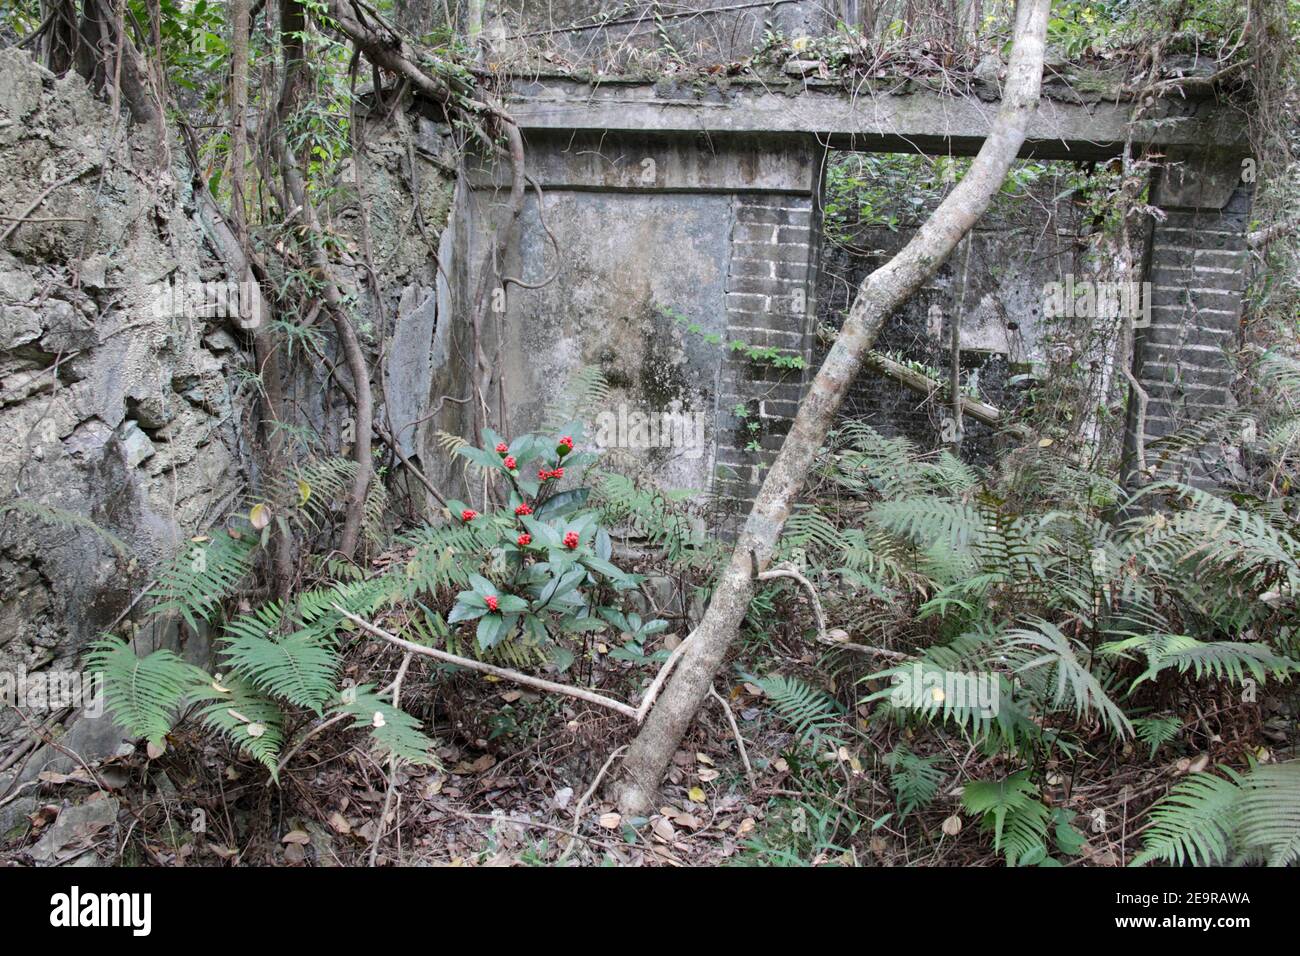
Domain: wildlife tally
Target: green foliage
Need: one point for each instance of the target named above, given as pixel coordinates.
(273, 658)
(394, 732)
(1194, 824)
(196, 581)
(240, 710)
(1268, 814)
(296, 666)
(1058, 670)
(1156, 731)
(811, 713)
(143, 693)
(915, 779)
(1011, 808)
(1208, 819)
(758, 354)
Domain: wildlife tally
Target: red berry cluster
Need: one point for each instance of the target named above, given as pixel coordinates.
(566, 443)
(523, 509)
(502, 448)
(509, 462)
(546, 475)
(571, 539)
(525, 539)
(491, 602)
(469, 514)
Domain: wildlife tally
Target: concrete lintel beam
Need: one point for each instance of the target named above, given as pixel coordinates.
(917, 119)
(641, 162)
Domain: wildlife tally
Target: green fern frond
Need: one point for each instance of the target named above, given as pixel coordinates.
(1048, 661)
(1193, 825)
(198, 579)
(810, 712)
(143, 693)
(297, 667)
(1156, 731)
(394, 732)
(930, 521)
(915, 779)
(1011, 808)
(1269, 813)
(250, 719)
(585, 391)
(1224, 660)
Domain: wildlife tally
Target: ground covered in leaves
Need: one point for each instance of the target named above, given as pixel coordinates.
(514, 784)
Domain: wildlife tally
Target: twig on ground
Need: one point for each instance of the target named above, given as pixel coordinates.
(392, 765)
(581, 693)
(785, 571)
(740, 741)
(582, 803)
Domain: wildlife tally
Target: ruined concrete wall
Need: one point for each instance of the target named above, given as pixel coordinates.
(993, 282)
(668, 253)
(115, 414)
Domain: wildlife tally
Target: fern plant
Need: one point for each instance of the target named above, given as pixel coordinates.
(1208, 819)
(143, 693)
(1012, 809)
(915, 779)
(202, 575)
(813, 715)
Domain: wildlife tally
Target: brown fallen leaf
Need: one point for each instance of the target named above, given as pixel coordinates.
(296, 837)
(338, 823)
(610, 821)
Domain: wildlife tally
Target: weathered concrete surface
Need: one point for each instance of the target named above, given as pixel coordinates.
(895, 116)
(626, 260)
(650, 162)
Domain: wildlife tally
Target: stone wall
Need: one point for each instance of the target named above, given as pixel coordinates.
(668, 252)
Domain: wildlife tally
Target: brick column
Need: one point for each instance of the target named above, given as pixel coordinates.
(771, 282)
(1196, 261)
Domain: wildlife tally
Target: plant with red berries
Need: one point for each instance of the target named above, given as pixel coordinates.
(547, 556)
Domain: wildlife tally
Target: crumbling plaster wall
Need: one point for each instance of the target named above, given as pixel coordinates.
(666, 251)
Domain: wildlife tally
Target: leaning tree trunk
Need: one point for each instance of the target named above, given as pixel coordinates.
(882, 292)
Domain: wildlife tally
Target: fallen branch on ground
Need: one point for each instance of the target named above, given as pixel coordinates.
(823, 636)
(568, 690)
